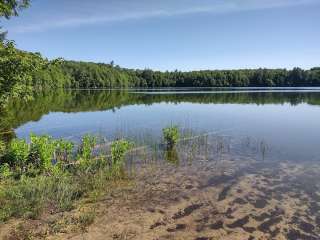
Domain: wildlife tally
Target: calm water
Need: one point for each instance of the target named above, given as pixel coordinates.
(255, 176)
(286, 120)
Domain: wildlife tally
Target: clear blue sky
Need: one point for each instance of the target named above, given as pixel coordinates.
(174, 34)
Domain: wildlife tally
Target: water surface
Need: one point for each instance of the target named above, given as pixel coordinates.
(286, 119)
(250, 169)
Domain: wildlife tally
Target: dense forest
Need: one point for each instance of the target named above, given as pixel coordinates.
(22, 72)
(98, 75)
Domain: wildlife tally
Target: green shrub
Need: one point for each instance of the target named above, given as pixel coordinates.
(43, 154)
(17, 155)
(171, 136)
(63, 151)
(41, 151)
(118, 150)
(5, 171)
(85, 152)
(2, 148)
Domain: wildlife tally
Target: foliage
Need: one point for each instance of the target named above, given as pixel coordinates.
(10, 8)
(17, 156)
(5, 171)
(97, 75)
(119, 149)
(16, 71)
(38, 174)
(42, 149)
(22, 72)
(2, 148)
(42, 155)
(63, 150)
(85, 152)
(171, 136)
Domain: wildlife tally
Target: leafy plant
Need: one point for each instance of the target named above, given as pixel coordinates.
(118, 150)
(63, 151)
(17, 155)
(171, 136)
(2, 148)
(42, 151)
(85, 151)
(5, 171)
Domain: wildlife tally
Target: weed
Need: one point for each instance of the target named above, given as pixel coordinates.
(118, 150)
(85, 151)
(17, 156)
(171, 136)
(5, 171)
(85, 219)
(2, 148)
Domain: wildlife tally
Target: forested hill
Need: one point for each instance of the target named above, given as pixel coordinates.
(98, 75)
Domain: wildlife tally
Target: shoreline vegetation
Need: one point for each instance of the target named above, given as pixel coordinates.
(51, 175)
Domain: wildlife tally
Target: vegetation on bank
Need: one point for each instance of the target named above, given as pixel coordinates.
(49, 174)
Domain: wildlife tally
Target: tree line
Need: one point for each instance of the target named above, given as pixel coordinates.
(98, 75)
(23, 72)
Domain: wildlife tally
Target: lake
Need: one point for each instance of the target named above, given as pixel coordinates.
(286, 119)
(248, 167)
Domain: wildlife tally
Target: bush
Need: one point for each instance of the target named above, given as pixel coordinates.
(42, 155)
(85, 152)
(2, 148)
(17, 155)
(63, 151)
(5, 171)
(118, 150)
(171, 136)
(41, 152)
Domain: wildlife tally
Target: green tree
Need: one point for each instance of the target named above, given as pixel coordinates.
(9, 8)
(16, 71)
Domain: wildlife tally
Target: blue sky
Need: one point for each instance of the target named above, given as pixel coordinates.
(173, 34)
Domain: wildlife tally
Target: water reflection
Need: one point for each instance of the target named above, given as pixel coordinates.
(286, 121)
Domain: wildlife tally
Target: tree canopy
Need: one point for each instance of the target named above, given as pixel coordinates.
(21, 72)
(9, 8)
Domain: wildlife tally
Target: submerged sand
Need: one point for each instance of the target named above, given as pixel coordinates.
(225, 197)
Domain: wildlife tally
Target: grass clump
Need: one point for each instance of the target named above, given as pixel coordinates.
(171, 136)
(27, 197)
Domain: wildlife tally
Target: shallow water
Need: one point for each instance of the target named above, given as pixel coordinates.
(249, 168)
(286, 119)
(213, 187)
